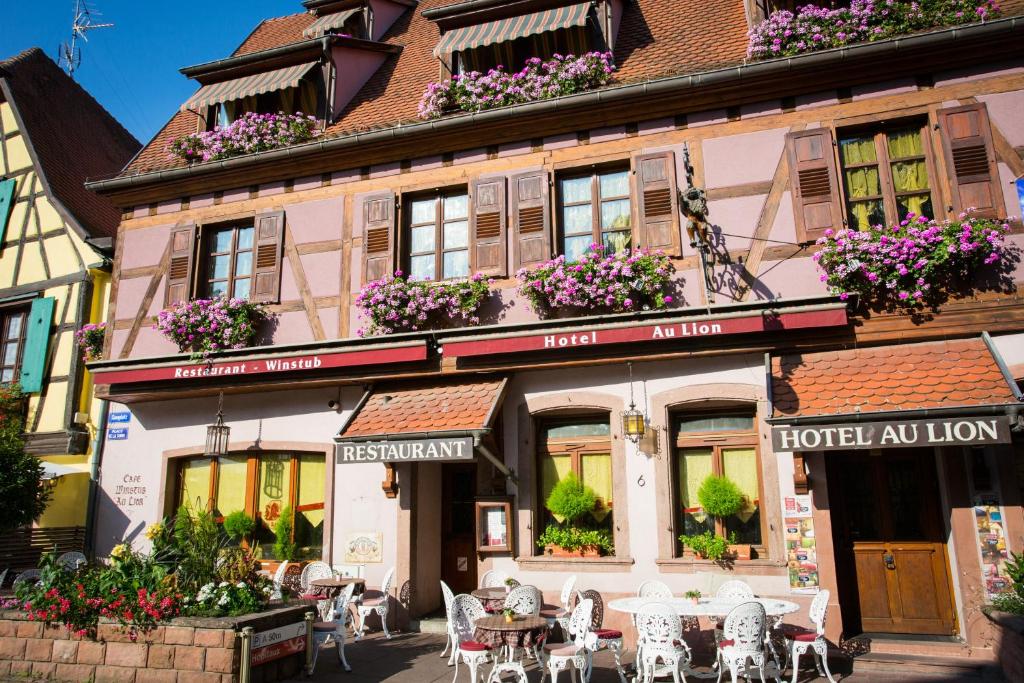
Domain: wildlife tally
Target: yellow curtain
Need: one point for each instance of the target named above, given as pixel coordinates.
(905, 143)
(312, 470)
(695, 464)
(195, 484)
(597, 474)
(857, 151)
(552, 469)
(231, 474)
(274, 486)
(740, 465)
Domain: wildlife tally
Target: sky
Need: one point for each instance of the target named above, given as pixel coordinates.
(132, 68)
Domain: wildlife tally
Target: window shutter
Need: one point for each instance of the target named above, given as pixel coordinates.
(37, 343)
(814, 182)
(657, 203)
(488, 226)
(971, 160)
(378, 236)
(531, 219)
(269, 246)
(179, 271)
(6, 203)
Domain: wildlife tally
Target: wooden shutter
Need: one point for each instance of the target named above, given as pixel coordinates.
(6, 203)
(531, 219)
(488, 227)
(970, 160)
(179, 270)
(814, 183)
(37, 343)
(657, 203)
(378, 236)
(269, 246)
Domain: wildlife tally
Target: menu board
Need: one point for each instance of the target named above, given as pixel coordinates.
(801, 554)
(495, 526)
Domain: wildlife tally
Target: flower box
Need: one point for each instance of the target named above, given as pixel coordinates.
(205, 326)
(250, 134)
(740, 551)
(584, 551)
(396, 304)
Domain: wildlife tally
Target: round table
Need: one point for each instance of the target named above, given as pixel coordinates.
(714, 608)
(525, 631)
(493, 599)
(332, 588)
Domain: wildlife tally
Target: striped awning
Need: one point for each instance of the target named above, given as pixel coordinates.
(247, 86)
(503, 30)
(329, 22)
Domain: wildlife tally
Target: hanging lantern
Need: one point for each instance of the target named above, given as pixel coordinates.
(633, 420)
(217, 434)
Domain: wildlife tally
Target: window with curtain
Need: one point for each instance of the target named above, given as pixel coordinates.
(263, 485)
(305, 98)
(512, 54)
(723, 444)
(228, 261)
(595, 208)
(438, 229)
(12, 342)
(579, 445)
(885, 175)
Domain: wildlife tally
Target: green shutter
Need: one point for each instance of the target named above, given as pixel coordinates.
(6, 202)
(37, 342)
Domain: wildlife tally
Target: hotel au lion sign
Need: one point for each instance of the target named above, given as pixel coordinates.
(946, 431)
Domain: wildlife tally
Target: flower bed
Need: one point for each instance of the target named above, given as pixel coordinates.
(90, 340)
(204, 326)
(396, 304)
(813, 28)
(249, 134)
(907, 265)
(537, 80)
(624, 281)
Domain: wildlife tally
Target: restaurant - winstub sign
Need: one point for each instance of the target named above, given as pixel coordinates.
(946, 431)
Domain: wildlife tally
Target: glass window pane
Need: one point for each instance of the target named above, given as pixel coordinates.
(456, 264)
(231, 474)
(423, 211)
(456, 235)
(740, 465)
(456, 206)
(309, 524)
(615, 214)
(552, 469)
(908, 176)
(195, 483)
(616, 241)
(863, 182)
(905, 143)
(615, 184)
(242, 288)
(219, 266)
(596, 472)
(857, 150)
(218, 289)
(11, 354)
(865, 214)
(575, 247)
(717, 423)
(243, 263)
(577, 219)
(693, 466)
(598, 428)
(6, 375)
(422, 239)
(272, 495)
(576, 190)
(222, 240)
(421, 267)
(14, 326)
(918, 204)
(245, 238)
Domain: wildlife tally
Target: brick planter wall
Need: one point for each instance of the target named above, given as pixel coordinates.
(184, 650)
(1009, 643)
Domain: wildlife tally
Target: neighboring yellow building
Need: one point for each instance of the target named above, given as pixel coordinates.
(56, 248)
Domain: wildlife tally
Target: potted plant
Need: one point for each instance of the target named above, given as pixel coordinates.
(694, 596)
(720, 497)
(284, 547)
(509, 614)
(571, 500)
(707, 546)
(239, 526)
(510, 583)
(1007, 613)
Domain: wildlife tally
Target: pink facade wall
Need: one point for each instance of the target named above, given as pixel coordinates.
(384, 16)
(352, 68)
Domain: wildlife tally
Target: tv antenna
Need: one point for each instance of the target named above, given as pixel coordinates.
(70, 52)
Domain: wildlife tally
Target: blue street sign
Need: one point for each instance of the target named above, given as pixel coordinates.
(120, 417)
(1020, 194)
(117, 433)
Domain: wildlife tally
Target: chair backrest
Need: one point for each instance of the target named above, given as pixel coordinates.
(744, 626)
(71, 561)
(341, 602)
(658, 624)
(566, 595)
(493, 579)
(819, 610)
(465, 611)
(597, 613)
(385, 587)
(313, 571)
(654, 589)
(349, 571)
(449, 598)
(734, 589)
(524, 600)
(579, 621)
(3, 577)
(27, 575)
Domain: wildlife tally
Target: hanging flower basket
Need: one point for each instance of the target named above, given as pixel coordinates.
(396, 304)
(90, 340)
(205, 326)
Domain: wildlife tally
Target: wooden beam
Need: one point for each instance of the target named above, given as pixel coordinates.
(299, 273)
(744, 190)
(147, 300)
(318, 247)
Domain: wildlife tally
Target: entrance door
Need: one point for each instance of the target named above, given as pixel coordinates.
(891, 553)
(458, 527)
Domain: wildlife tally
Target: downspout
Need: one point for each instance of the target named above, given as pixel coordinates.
(95, 462)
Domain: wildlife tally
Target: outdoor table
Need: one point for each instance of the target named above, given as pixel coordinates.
(493, 599)
(525, 631)
(327, 590)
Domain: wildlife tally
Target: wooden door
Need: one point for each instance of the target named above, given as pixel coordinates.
(890, 529)
(458, 527)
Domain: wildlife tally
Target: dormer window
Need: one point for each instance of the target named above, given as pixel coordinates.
(345, 22)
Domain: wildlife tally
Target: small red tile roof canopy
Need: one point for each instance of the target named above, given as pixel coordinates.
(73, 136)
(452, 406)
(942, 374)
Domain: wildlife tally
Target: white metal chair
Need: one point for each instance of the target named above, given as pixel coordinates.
(660, 640)
(560, 614)
(654, 589)
(27, 575)
(276, 593)
(603, 638)
(743, 641)
(801, 639)
(524, 600)
(493, 579)
(349, 571)
(558, 656)
(333, 628)
(376, 603)
(466, 610)
(449, 598)
(71, 561)
(313, 571)
(734, 590)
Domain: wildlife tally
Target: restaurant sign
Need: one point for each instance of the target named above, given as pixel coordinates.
(949, 431)
(278, 642)
(406, 450)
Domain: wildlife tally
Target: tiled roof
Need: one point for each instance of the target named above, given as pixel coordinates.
(656, 38)
(941, 374)
(74, 137)
(452, 406)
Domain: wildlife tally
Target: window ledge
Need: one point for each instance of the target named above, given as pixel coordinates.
(686, 565)
(576, 564)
